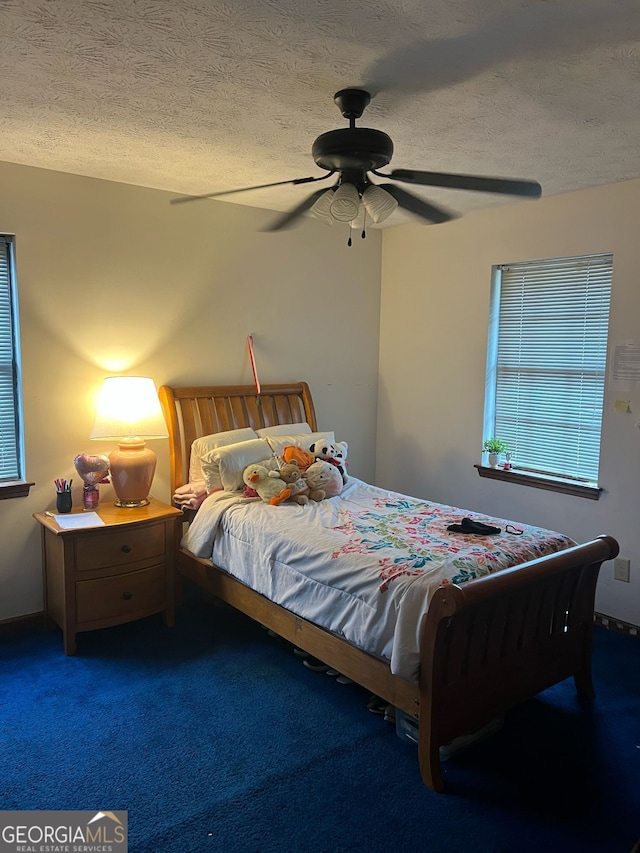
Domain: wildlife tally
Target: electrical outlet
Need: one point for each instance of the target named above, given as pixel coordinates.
(621, 569)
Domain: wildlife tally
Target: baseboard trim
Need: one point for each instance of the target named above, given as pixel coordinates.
(19, 624)
(617, 625)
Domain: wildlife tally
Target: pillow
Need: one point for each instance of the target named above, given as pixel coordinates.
(304, 440)
(284, 429)
(207, 443)
(223, 467)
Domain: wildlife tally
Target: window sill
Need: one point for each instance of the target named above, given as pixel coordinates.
(14, 489)
(539, 481)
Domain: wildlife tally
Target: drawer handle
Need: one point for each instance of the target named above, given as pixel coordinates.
(127, 596)
(126, 549)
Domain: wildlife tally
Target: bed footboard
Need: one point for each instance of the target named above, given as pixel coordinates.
(501, 639)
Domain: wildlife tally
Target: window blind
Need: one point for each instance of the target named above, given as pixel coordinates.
(9, 425)
(550, 363)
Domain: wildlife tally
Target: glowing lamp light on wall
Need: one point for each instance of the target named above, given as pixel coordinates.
(129, 411)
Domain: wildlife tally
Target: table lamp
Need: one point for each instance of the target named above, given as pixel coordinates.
(129, 411)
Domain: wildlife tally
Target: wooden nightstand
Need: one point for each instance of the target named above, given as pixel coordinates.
(102, 576)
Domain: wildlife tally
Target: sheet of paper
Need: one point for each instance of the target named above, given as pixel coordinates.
(625, 366)
(78, 520)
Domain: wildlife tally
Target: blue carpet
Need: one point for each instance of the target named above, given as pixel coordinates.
(214, 737)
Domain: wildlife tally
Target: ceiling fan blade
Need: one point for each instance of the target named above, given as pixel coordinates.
(288, 219)
(507, 186)
(416, 205)
(184, 198)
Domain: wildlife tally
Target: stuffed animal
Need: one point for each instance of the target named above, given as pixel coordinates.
(324, 480)
(268, 484)
(321, 449)
(340, 459)
(293, 453)
(291, 474)
(334, 453)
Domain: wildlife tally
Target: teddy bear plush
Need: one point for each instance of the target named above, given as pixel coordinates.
(340, 458)
(268, 484)
(324, 480)
(336, 454)
(291, 474)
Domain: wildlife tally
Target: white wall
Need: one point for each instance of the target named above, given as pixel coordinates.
(435, 305)
(112, 279)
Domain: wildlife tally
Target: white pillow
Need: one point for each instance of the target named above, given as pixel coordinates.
(279, 442)
(223, 467)
(284, 429)
(207, 443)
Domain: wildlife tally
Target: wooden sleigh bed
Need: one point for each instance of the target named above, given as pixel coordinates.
(485, 646)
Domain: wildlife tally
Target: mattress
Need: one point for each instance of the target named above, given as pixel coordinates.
(362, 565)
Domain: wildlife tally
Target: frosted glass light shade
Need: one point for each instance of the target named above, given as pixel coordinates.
(361, 219)
(322, 208)
(379, 203)
(129, 410)
(345, 203)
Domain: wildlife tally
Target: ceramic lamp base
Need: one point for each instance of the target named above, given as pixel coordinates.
(132, 467)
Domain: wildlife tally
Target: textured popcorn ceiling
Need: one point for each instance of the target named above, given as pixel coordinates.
(193, 96)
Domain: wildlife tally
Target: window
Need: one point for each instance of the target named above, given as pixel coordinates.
(11, 443)
(546, 365)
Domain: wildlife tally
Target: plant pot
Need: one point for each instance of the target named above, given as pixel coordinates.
(493, 460)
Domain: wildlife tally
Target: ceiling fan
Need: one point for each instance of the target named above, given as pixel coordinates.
(356, 153)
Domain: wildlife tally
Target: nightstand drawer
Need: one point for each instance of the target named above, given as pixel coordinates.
(119, 547)
(120, 597)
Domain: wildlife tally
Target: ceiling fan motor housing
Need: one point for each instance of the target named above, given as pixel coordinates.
(352, 148)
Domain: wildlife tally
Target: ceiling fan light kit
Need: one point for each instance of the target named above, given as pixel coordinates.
(345, 204)
(356, 153)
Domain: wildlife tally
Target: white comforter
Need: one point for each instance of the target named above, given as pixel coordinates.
(362, 565)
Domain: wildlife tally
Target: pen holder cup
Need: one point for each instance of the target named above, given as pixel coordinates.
(63, 501)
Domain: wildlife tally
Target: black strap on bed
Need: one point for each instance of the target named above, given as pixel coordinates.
(477, 528)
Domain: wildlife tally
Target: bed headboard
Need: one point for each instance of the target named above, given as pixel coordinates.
(192, 412)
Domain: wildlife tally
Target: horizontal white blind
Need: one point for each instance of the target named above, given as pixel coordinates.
(9, 428)
(551, 360)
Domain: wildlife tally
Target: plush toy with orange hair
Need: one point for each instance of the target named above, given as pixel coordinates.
(293, 453)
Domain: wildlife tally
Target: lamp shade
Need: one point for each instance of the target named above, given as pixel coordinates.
(361, 219)
(128, 406)
(379, 203)
(129, 411)
(345, 203)
(322, 208)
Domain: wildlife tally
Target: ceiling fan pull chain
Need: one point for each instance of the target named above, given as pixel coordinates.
(364, 221)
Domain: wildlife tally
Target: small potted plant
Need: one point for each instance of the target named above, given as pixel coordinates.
(494, 447)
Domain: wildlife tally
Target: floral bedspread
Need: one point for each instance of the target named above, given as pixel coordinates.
(409, 537)
(362, 565)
